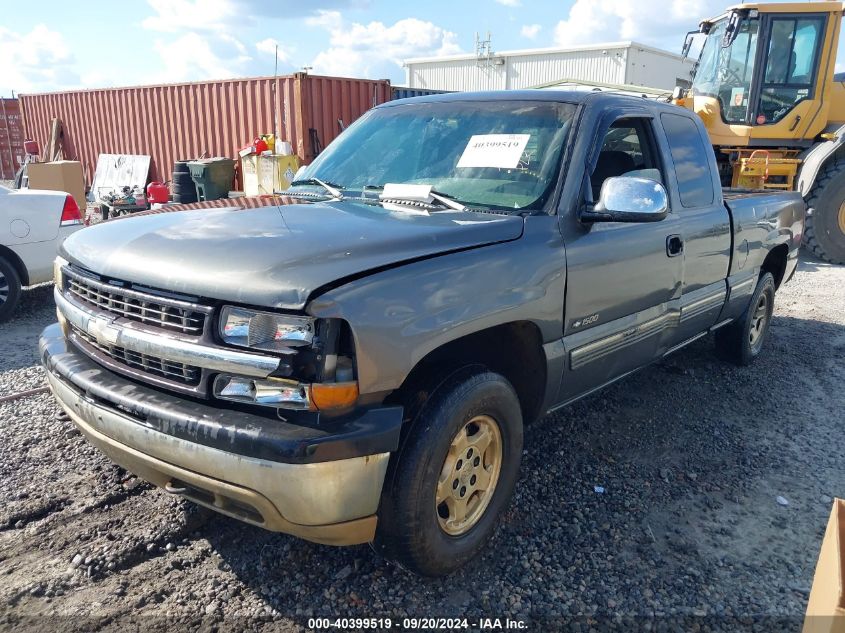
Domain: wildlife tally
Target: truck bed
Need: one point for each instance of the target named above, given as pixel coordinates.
(763, 218)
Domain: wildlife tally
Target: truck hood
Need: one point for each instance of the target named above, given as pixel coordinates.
(276, 255)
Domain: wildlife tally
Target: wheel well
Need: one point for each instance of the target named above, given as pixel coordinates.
(10, 256)
(775, 263)
(514, 350)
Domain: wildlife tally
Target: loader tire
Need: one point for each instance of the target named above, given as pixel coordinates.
(824, 234)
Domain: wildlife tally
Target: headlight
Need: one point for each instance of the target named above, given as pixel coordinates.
(285, 394)
(264, 330)
(58, 278)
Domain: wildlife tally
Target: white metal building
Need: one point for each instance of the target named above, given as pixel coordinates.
(626, 63)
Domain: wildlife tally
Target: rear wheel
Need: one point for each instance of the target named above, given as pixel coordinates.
(824, 234)
(742, 341)
(10, 290)
(453, 476)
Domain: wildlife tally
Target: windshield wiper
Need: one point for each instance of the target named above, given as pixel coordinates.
(423, 194)
(332, 188)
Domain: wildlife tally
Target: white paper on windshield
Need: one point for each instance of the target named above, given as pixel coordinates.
(494, 150)
(420, 193)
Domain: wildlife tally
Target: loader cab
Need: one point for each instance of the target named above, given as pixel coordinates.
(765, 73)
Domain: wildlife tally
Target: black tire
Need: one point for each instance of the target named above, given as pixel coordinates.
(411, 527)
(184, 180)
(181, 167)
(10, 290)
(180, 189)
(183, 198)
(741, 342)
(823, 234)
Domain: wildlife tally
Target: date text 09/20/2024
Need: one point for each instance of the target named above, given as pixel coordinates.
(444, 624)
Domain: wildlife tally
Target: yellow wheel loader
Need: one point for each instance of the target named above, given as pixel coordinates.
(765, 87)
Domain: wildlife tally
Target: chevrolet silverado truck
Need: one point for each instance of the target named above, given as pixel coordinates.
(356, 359)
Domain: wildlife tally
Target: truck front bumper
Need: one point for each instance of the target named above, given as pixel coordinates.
(318, 479)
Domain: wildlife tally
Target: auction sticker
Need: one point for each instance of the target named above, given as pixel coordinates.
(494, 150)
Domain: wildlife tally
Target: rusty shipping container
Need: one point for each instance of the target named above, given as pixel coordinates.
(213, 118)
(11, 138)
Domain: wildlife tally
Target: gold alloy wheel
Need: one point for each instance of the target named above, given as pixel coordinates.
(761, 317)
(842, 218)
(469, 475)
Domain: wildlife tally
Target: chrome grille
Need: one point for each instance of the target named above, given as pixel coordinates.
(178, 372)
(163, 312)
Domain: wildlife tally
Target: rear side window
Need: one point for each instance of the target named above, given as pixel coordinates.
(689, 155)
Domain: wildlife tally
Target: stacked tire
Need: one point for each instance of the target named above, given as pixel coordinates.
(182, 187)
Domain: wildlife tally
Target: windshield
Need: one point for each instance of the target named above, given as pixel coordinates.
(502, 155)
(726, 72)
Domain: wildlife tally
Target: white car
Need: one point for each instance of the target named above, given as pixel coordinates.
(33, 223)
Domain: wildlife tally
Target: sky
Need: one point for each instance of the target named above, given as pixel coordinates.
(53, 45)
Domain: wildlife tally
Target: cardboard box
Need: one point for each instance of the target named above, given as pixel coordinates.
(826, 607)
(60, 175)
(249, 174)
(264, 175)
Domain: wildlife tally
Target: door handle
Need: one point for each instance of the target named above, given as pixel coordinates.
(674, 245)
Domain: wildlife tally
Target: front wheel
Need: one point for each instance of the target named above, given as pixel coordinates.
(453, 476)
(741, 341)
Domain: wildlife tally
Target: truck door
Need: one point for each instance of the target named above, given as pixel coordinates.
(623, 279)
(705, 232)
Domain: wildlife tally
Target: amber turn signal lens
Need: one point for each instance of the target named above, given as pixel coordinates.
(334, 395)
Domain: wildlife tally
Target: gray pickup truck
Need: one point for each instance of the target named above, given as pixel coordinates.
(356, 360)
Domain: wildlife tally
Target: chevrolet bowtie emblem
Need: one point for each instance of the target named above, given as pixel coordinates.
(102, 330)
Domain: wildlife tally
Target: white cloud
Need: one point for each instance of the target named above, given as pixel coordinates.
(329, 20)
(202, 46)
(174, 16)
(268, 47)
(376, 50)
(193, 57)
(35, 61)
(178, 16)
(530, 30)
(510, 3)
(657, 22)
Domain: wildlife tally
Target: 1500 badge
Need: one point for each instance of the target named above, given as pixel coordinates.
(586, 321)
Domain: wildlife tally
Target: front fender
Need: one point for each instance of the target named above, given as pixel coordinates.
(400, 315)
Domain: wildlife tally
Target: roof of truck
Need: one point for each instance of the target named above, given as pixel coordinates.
(561, 96)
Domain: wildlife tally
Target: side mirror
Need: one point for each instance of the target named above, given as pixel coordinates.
(629, 199)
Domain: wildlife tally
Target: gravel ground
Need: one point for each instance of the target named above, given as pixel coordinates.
(689, 533)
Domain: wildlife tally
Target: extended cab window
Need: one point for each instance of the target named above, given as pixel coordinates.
(626, 150)
(692, 163)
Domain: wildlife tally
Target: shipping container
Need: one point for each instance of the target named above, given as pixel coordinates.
(403, 92)
(11, 138)
(627, 63)
(189, 120)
